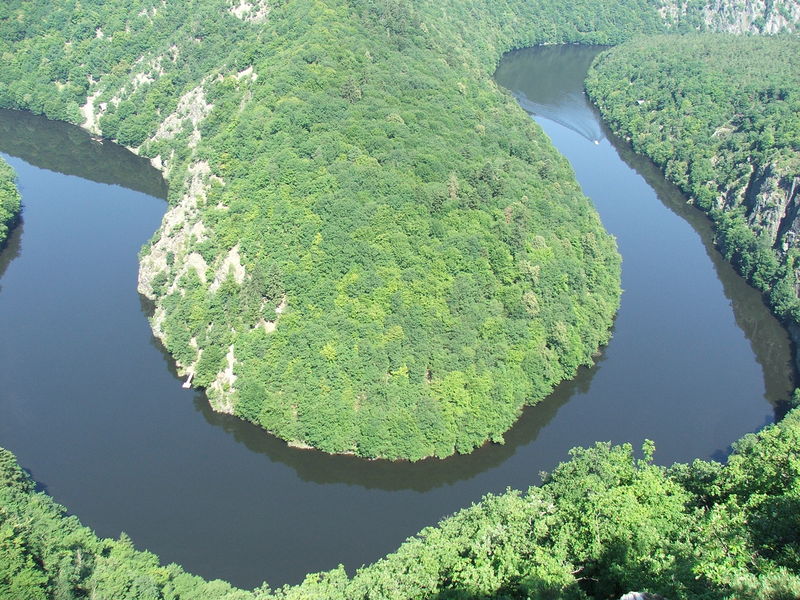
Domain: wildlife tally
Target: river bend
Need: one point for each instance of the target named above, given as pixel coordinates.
(92, 407)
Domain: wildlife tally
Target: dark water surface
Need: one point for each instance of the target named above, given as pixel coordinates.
(92, 408)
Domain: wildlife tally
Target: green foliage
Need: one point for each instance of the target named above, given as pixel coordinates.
(9, 201)
(721, 116)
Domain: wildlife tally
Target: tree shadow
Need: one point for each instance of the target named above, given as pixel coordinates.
(12, 248)
(68, 149)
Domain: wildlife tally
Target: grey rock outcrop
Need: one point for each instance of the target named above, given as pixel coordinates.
(736, 16)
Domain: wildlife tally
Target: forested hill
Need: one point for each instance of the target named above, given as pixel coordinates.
(601, 524)
(370, 249)
(9, 201)
(721, 116)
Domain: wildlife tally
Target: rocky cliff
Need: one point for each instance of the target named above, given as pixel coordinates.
(734, 16)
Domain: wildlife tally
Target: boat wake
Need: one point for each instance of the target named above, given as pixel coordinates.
(571, 111)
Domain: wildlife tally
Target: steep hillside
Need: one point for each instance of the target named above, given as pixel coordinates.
(721, 116)
(733, 16)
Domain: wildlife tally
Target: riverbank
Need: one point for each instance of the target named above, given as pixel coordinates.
(701, 531)
(732, 148)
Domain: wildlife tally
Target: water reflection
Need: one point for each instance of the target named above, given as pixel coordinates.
(12, 247)
(317, 467)
(768, 340)
(68, 149)
(554, 76)
(553, 86)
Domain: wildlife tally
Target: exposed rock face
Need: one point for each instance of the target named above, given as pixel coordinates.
(789, 232)
(255, 12)
(231, 265)
(752, 16)
(770, 196)
(771, 199)
(172, 252)
(89, 113)
(220, 392)
(737, 16)
(192, 109)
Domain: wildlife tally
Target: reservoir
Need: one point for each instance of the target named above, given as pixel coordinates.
(93, 409)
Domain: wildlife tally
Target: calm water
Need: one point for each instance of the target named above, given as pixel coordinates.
(92, 408)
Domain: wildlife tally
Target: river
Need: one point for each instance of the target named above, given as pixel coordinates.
(93, 409)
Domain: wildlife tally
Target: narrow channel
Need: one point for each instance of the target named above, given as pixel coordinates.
(91, 406)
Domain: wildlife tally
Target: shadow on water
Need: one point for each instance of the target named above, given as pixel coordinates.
(768, 339)
(68, 149)
(422, 476)
(38, 486)
(12, 247)
(554, 77)
(321, 468)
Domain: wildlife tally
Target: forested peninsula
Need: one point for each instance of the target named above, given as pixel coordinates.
(721, 116)
(9, 201)
(369, 248)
